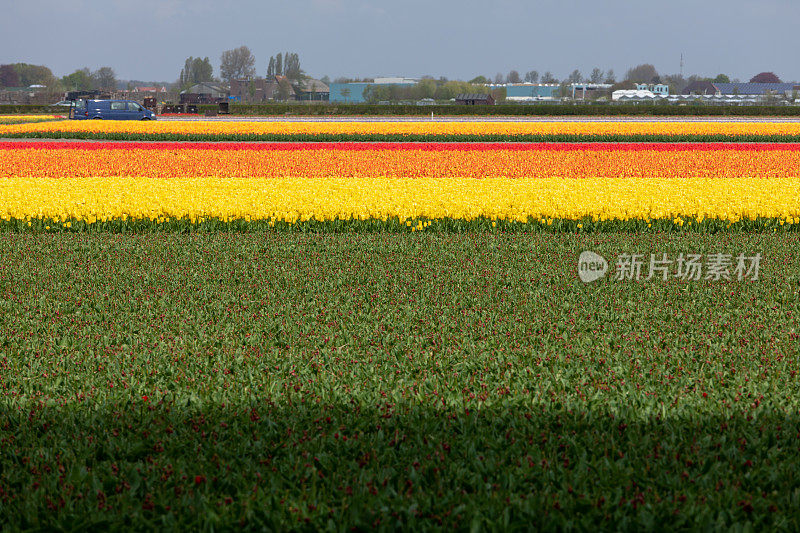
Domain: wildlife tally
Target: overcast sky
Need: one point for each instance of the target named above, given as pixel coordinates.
(150, 39)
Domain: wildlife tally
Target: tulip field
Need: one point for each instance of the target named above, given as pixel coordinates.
(420, 131)
(201, 332)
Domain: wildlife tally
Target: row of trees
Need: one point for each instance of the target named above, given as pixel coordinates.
(644, 73)
(195, 70)
(25, 75)
(103, 79)
(427, 88)
(240, 63)
(532, 76)
(285, 65)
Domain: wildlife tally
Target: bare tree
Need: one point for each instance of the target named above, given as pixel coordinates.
(513, 77)
(532, 76)
(105, 79)
(575, 77)
(237, 63)
(549, 78)
(610, 76)
(596, 76)
(499, 78)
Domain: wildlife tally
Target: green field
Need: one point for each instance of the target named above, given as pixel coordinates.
(377, 380)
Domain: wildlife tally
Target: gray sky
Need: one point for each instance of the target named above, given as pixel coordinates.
(150, 39)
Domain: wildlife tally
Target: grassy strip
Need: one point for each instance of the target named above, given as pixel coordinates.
(542, 225)
(32, 120)
(294, 381)
(421, 138)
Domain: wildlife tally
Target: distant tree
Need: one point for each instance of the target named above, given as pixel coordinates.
(195, 70)
(325, 79)
(575, 77)
(237, 63)
(34, 75)
(499, 78)
(284, 89)
(532, 76)
(610, 76)
(186, 73)
(765, 77)
(9, 76)
(513, 77)
(291, 67)
(105, 79)
(271, 67)
(622, 85)
(549, 78)
(426, 88)
(642, 73)
(80, 80)
(596, 76)
(676, 83)
(279, 64)
(722, 78)
(203, 71)
(499, 94)
(479, 80)
(346, 93)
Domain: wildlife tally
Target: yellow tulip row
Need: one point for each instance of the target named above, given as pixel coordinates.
(301, 199)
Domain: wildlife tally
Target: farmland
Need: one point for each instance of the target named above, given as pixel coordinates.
(325, 336)
(412, 131)
(394, 379)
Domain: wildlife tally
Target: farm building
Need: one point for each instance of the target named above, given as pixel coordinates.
(589, 90)
(311, 89)
(522, 92)
(354, 92)
(475, 99)
(744, 89)
(659, 89)
(210, 89)
(253, 90)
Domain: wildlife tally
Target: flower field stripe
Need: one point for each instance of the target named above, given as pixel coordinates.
(296, 200)
(365, 146)
(420, 131)
(407, 160)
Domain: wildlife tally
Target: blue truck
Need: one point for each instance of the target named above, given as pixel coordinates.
(109, 110)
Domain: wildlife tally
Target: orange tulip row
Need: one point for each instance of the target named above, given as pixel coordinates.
(408, 162)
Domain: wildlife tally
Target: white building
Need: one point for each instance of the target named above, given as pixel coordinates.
(395, 81)
(633, 94)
